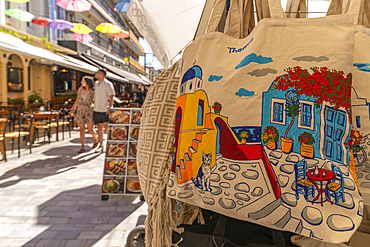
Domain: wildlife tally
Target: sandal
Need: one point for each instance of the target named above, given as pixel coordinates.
(95, 144)
(81, 151)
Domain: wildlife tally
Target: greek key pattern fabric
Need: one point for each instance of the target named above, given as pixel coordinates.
(157, 131)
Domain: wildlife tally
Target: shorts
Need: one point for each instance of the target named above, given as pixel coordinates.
(100, 117)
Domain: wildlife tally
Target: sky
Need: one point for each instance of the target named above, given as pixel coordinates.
(151, 60)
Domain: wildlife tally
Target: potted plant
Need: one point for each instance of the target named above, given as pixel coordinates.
(34, 98)
(354, 143)
(292, 110)
(243, 136)
(307, 141)
(217, 107)
(16, 101)
(270, 135)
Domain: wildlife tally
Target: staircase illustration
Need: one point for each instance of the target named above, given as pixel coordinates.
(280, 216)
(186, 162)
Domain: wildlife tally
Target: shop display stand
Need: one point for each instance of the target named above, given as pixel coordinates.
(120, 175)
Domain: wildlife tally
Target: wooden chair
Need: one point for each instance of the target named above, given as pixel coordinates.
(302, 184)
(22, 132)
(65, 119)
(335, 186)
(47, 122)
(3, 125)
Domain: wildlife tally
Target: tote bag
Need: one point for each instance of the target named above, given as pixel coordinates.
(261, 125)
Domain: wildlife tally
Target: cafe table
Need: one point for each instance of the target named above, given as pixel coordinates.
(322, 176)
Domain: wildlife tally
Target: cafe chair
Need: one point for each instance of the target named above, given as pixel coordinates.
(3, 126)
(64, 120)
(22, 132)
(302, 184)
(47, 123)
(335, 186)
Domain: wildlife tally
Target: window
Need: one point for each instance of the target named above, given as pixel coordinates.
(358, 123)
(104, 58)
(15, 75)
(191, 86)
(277, 114)
(306, 116)
(200, 112)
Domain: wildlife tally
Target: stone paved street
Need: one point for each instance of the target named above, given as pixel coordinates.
(52, 198)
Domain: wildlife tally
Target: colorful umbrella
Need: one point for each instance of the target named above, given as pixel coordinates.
(19, 14)
(122, 5)
(121, 35)
(83, 38)
(107, 28)
(42, 21)
(81, 28)
(60, 24)
(18, 1)
(74, 5)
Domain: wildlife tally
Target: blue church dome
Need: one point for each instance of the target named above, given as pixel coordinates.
(193, 72)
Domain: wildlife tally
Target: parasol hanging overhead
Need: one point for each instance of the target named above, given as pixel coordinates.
(83, 38)
(60, 24)
(18, 1)
(19, 14)
(121, 35)
(74, 5)
(122, 5)
(81, 28)
(107, 28)
(42, 21)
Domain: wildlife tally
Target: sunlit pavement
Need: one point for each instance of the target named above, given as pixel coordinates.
(52, 198)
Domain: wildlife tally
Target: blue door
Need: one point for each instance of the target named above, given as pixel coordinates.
(335, 127)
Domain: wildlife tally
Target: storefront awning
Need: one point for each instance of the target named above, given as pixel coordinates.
(128, 75)
(17, 46)
(146, 80)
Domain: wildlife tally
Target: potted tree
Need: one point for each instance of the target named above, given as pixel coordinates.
(270, 135)
(307, 141)
(217, 107)
(243, 136)
(292, 110)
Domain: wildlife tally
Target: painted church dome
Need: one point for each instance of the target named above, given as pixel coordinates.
(193, 72)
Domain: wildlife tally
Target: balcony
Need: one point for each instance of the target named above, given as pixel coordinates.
(112, 13)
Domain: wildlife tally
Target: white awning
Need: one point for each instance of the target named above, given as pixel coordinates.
(17, 46)
(146, 80)
(128, 75)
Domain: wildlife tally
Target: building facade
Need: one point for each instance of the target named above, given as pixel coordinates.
(23, 72)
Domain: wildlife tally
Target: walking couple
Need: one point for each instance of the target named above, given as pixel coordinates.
(92, 106)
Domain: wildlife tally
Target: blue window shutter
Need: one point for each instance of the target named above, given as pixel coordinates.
(358, 123)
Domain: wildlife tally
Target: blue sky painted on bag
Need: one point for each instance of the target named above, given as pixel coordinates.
(253, 58)
(214, 78)
(244, 92)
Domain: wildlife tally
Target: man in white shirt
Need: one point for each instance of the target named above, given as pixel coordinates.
(103, 101)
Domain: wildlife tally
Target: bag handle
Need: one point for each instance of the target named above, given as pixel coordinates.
(238, 13)
(296, 6)
(240, 19)
(353, 7)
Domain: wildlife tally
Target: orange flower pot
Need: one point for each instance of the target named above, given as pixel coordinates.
(244, 141)
(307, 150)
(271, 145)
(286, 144)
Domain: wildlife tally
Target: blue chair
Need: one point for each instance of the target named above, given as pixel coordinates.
(335, 186)
(302, 184)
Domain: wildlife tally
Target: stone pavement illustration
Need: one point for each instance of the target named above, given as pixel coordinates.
(52, 198)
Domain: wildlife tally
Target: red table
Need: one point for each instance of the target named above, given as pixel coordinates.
(329, 175)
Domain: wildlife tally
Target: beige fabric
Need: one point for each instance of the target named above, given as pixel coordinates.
(154, 162)
(296, 6)
(218, 68)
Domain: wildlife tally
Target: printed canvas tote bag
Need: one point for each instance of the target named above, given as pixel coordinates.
(261, 125)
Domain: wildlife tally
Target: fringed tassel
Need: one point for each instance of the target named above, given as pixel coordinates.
(162, 217)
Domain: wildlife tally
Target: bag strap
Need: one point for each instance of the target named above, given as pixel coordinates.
(296, 6)
(240, 19)
(278, 238)
(218, 236)
(358, 8)
(239, 12)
